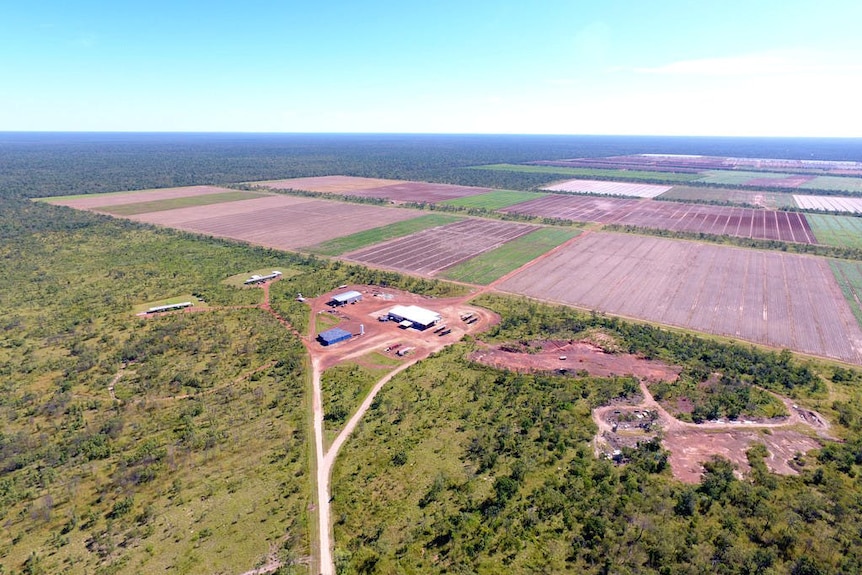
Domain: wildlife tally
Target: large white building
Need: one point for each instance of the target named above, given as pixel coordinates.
(419, 317)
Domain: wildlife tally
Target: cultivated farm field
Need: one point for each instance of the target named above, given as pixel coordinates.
(829, 203)
(771, 200)
(432, 250)
(770, 298)
(96, 201)
(608, 188)
(719, 220)
(839, 231)
(394, 190)
(283, 222)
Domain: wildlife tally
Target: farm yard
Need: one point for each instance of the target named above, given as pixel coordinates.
(432, 250)
(829, 203)
(394, 190)
(283, 222)
(771, 298)
(608, 188)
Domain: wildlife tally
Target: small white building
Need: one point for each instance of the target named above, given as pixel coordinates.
(418, 317)
(256, 279)
(345, 298)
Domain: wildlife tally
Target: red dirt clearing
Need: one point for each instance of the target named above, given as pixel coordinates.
(118, 199)
(434, 249)
(283, 222)
(579, 355)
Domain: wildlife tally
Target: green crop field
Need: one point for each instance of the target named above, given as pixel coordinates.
(838, 231)
(373, 236)
(494, 264)
(772, 200)
(174, 203)
(592, 172)
(834, 183)
(849, 277)
(738, 177)
(495, 200)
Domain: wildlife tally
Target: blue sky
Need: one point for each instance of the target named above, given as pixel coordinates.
(753, 68)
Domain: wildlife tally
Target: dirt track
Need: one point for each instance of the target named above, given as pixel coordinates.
(692, 444)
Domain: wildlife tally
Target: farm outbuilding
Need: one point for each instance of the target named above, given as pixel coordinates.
(345, 298)
(256, 279)
(169, 307)
(418, 317)
(334, 335)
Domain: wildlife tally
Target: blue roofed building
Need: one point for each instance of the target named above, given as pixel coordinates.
(333, 336)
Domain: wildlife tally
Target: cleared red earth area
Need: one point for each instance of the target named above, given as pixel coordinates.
(640, 418)
(772, 298)
(434, 249)
(284, 222)
(574, 356)
(719, 220)
(104, 200)
(395, 190)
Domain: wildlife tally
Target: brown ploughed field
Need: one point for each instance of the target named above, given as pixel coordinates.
(767, 297)
(283, 222)
(100, 200)
(394, 190)
(434, 249)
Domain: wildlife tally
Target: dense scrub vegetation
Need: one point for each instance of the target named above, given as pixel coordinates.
(459, 467)
(201, 464)
(205, 442)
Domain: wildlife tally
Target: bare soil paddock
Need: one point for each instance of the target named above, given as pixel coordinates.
(328, 184)
(283, 222)
(575, 356)
(772, 298)
(103, 200)
(434, 249)
(394, 190)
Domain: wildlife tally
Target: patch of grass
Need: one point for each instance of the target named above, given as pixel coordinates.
(373, 236)
(495, 200)
(343, 387)
(324, 321)
(739, 177)
(622, 175)
(492, 265)
(838, 231)
(175, 203)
